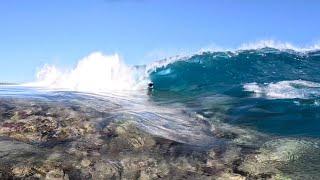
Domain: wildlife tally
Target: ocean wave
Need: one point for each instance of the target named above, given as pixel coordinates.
(210, 71)
(256, 45)
(264, 61)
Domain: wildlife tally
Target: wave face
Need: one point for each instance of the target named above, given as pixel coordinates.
(223, 71)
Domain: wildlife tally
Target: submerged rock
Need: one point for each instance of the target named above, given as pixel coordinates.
(42, 139)
(22, 171)
(127, 136)
(56, 174)
(283, 158)
(106, 170)
(42, 123)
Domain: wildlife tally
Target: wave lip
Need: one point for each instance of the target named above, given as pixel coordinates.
(295, 89)
(277, 45)
(261, 46)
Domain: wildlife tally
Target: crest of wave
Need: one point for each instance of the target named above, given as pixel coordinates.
(94, 73)
(278, 45)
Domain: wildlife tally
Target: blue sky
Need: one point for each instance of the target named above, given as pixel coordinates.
(36, 32)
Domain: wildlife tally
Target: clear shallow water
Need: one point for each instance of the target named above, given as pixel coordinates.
(168, 122)
(232, 127)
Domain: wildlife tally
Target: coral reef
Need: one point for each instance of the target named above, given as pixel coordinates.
(58, 140)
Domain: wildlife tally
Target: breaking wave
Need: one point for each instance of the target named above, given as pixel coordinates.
(94, 73)
(269, 64)
(228, 71)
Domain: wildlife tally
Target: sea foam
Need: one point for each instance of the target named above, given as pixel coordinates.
(95, 73)
(296, 89)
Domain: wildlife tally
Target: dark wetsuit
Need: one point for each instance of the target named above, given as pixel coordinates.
(150, 88)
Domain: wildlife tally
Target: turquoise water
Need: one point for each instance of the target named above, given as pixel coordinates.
(272, 91)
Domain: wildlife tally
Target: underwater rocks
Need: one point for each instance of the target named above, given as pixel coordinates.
(127, 136)
(41, 139)
(284, 159)
(36, 123)
(58, 140)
